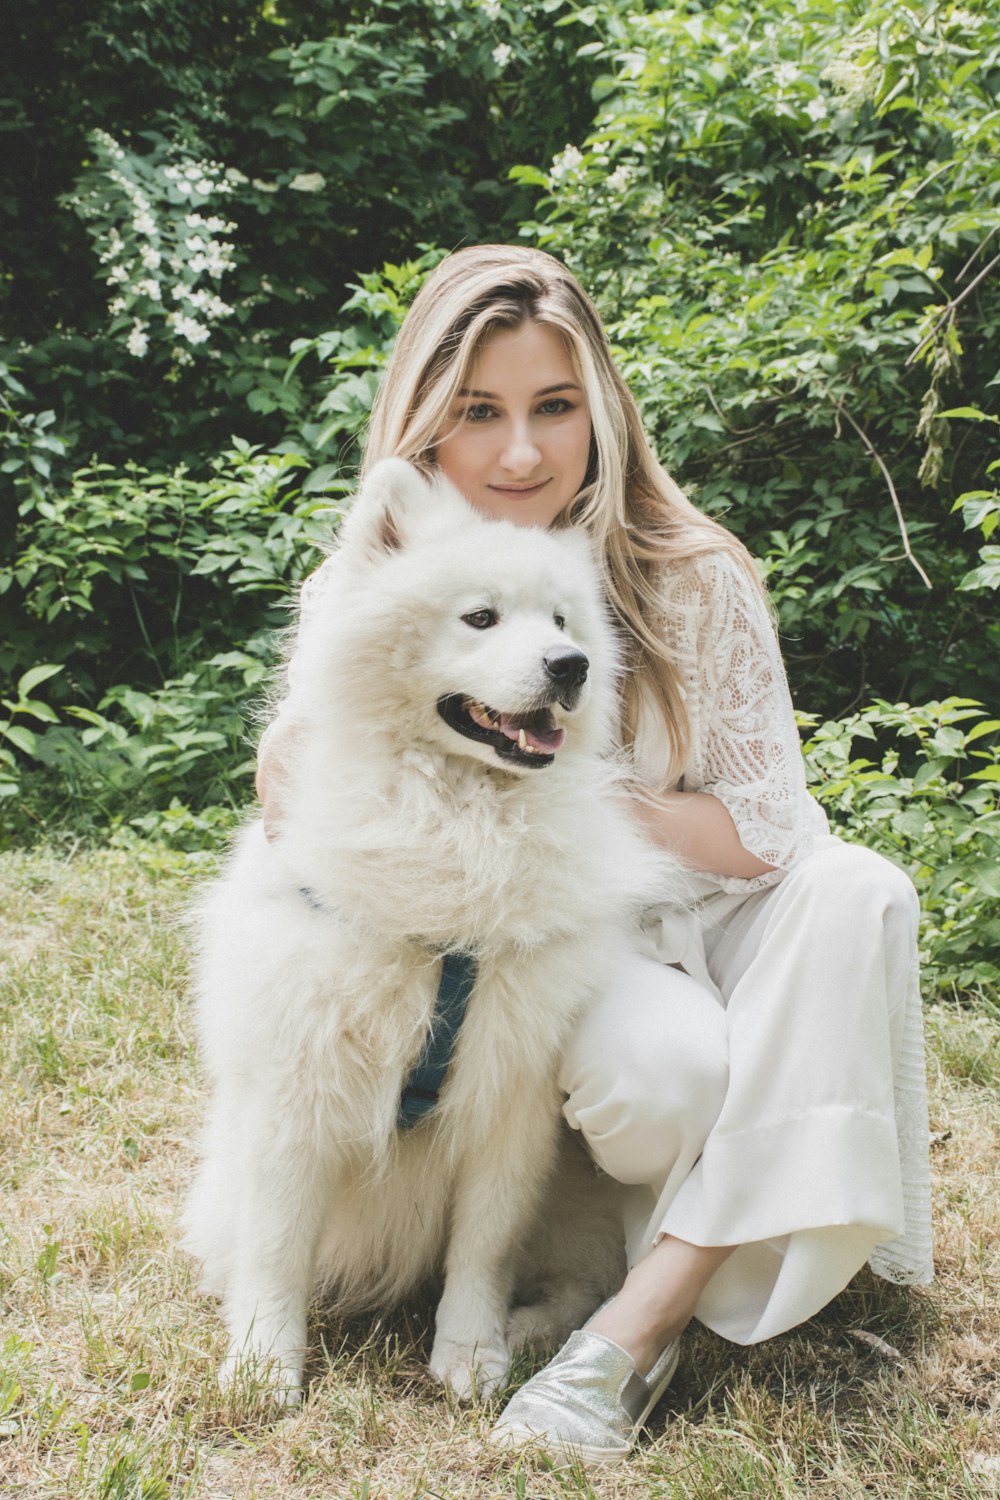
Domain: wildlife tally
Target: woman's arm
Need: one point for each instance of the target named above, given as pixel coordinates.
(745, 812)
(276, 745)
(699, 829)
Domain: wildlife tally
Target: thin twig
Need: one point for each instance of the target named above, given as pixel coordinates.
(978, 251)
(892, 491)
(953, 304)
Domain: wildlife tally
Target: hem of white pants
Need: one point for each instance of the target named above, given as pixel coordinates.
(834, 1165)
(806, 1200)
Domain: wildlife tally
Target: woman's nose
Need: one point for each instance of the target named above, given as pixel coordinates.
(521, 453)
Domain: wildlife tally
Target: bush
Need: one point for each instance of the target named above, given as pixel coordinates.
(787, 214)
(929, 799)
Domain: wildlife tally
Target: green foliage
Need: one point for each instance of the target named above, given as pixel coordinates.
(141, 583)
(929, 798)
(15, 735)
(214, 223)
(311, 142)
(786, 213)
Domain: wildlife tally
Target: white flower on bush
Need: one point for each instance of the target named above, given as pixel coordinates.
(146, 219)
(188, 328)
(849, 78)
(502, 55)
(817, 108)
(491, 9)
(308, 182)
(621, 178)
(137, 342)
(566, 164)
(114, 246)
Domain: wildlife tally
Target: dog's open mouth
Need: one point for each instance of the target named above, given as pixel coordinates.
(526, 739)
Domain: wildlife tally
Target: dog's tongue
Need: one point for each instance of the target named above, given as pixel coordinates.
(548, 740)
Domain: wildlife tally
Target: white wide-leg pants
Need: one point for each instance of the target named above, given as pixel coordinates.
(764, 1114)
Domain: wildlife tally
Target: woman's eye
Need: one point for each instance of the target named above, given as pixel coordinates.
(478, 413)
(481, 619)
(560, 621)
(555, 407)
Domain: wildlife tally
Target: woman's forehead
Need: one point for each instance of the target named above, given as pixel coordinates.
(531, 354)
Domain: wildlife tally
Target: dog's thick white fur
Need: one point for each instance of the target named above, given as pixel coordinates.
(415, 819)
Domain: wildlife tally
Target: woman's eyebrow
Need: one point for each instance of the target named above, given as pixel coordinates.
(548, 390)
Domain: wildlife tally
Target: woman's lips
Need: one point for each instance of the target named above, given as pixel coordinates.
(518, 489)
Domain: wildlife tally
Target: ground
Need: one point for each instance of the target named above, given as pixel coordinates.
(107, 1353)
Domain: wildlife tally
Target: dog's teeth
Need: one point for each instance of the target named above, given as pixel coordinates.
(522, 739)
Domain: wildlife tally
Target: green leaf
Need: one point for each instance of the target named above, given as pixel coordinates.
(33, 677)
(18, 735)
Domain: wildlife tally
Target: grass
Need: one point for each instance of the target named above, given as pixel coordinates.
(107, 1354)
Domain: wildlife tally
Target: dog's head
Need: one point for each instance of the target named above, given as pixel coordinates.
(476, 636)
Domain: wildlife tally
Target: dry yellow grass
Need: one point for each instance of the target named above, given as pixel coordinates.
(107, 1352)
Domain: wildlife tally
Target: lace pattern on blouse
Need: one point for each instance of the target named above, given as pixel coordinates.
(744, 742)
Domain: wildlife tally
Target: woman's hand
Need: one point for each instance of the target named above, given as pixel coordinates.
(698, 828)
(276, 744)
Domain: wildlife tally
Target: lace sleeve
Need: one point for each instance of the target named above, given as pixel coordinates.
(745, 746)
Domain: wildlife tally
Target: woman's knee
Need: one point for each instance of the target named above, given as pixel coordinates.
(852, 882)
(646, 1073)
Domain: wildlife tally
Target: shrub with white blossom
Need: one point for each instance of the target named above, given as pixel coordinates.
(161, 252)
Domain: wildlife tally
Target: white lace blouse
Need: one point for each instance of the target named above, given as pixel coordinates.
(744, 744)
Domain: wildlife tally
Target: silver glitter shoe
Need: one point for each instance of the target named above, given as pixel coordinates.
(588, 1403)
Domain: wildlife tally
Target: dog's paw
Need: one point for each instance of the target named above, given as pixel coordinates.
(470, 1373)
(249, 1375)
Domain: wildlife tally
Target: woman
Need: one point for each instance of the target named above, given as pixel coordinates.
(755, 1075)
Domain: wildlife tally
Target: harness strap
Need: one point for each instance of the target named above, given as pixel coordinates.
(458, 977)
(421, 1089)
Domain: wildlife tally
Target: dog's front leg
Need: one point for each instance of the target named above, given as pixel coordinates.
(497, 1192)
(285, 1189)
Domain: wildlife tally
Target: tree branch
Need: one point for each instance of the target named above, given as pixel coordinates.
(949, 310)
(842, 410)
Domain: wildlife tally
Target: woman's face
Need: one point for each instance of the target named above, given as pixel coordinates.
(518, 436)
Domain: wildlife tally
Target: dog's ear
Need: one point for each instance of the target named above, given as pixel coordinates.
(375, 522)
(393, 501)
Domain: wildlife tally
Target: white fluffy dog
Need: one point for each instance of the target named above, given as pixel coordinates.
(451, 792)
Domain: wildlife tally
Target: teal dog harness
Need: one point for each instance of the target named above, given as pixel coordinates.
(422, 1087)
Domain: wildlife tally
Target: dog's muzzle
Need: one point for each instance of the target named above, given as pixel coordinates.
(523, 737)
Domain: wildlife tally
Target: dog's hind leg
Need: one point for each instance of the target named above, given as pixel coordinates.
(573, 1255)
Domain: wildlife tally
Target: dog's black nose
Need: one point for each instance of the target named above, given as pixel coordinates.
(568, 668)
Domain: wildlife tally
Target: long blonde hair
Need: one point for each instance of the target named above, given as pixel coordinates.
(640, 520)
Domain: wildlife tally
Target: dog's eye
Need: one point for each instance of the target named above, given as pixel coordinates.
(481, 619)
(560, 621)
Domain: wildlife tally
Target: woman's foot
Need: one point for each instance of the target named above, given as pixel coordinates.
(588, 1403)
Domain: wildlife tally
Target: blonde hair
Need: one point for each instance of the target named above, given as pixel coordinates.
(640, 520)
